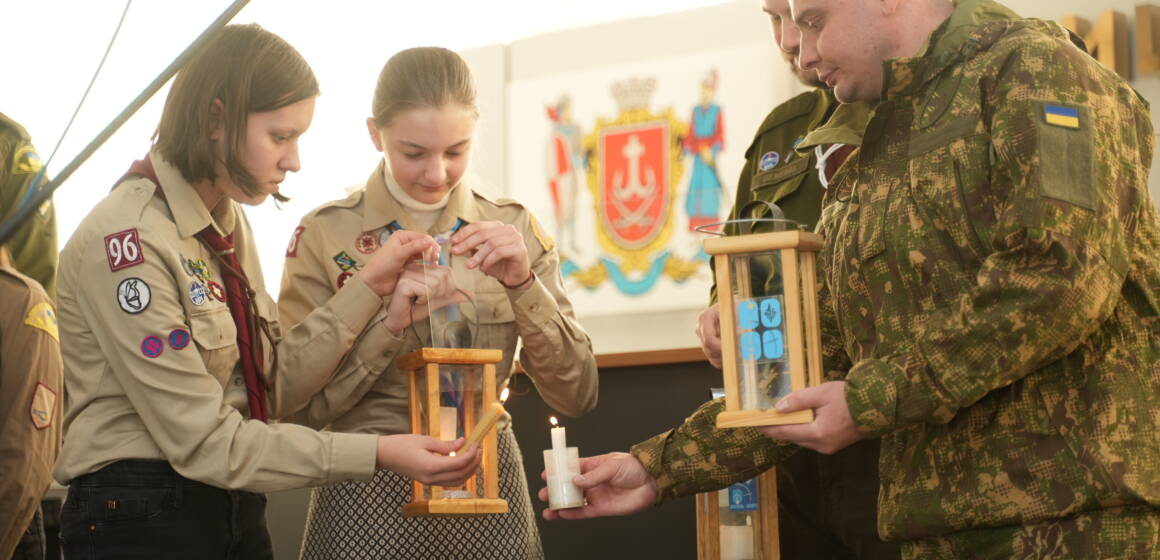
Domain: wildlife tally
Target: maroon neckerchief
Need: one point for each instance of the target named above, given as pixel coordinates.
(836, 159)
(239, 298)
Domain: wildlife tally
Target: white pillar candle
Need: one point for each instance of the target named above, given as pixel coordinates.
(561, 464)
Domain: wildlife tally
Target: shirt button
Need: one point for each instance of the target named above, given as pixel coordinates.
(535, 308)
(238, 381)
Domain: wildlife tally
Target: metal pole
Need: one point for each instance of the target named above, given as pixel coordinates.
(8, 227)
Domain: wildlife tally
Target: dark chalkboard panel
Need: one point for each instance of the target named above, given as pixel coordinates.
(635, 403)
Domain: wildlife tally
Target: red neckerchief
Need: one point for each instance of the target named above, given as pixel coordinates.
(239, 298)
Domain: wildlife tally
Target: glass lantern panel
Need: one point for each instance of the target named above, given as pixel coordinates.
(451, 311)
(759, 327)
(460, 406)
(739, 521)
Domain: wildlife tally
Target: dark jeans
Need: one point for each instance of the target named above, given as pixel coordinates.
(144, 509)
(31, 545)
(828, 505)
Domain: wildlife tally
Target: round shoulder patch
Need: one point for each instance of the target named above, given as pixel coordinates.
(152, 346)
(178, 339)
(133, 295)
(769, 161)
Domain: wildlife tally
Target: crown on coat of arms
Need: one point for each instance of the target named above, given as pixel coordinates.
(633, 93)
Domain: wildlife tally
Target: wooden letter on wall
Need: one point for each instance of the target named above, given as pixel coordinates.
(1147, 39)
(1107, 40)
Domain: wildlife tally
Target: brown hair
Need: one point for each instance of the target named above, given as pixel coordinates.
(248, 69)
(422, 77)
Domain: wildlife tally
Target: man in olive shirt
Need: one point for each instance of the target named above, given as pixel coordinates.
(33, 245)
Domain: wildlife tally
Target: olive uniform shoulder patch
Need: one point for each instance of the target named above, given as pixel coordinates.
(42, 316)
(1066, 151)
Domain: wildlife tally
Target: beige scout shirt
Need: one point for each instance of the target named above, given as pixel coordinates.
(135, 286)
(339, 237)
(30, 388)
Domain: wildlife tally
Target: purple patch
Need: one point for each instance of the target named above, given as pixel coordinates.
(178, 339)
(152, 346)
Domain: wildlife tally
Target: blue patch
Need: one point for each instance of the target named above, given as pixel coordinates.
(197, 293)
(769, 161)
(178, 339)
(743, 496)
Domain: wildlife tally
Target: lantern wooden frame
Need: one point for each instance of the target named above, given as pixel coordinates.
(797, 251)
(765, 525)
(424, 364)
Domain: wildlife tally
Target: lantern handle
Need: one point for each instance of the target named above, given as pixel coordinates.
(776, 217)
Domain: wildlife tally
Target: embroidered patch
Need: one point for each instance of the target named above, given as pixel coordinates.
(178, 339)
(292, 248)
(367, 243)
(216, 291)
(186, 266)
(152, 346)
(1058, 115)
(43, 406)
(769, 161)
(546, 241)
(43, 317)
(123, 249)
(134, 295)
(197, 293)
(200, 269)
(345, 262)
(342, 277)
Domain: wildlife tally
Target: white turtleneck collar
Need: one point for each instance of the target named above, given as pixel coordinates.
(425, 214)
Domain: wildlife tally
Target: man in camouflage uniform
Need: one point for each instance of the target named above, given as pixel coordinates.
(991, 281)
(825, 503)
(33, 245)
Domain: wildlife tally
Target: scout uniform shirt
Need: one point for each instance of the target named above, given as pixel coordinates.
(30, 401)
(151, 358)
(996, 281)
(33, 244)
(337, 238)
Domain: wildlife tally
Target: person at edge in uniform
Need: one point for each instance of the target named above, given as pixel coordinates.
(33, 245)
(991, 277)
(30, 389)
(174, 356)
(423, 119)
(826, 505)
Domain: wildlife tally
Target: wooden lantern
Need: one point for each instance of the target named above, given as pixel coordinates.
(770, 337)
(739, 522)
(449, 389)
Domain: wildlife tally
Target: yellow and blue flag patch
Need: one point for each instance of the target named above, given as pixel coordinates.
(1059, 115)
(43, 317)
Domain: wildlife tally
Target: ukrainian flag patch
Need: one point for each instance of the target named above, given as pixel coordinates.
(1058, 115)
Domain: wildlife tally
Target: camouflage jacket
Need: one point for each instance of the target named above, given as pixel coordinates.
(992, 275)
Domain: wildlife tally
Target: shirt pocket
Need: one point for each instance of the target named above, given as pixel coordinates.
(497, 325)
(216, 337)
(778, 183)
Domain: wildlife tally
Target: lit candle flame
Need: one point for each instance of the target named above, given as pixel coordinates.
(504, 395)
(554, 421)
(452, 453)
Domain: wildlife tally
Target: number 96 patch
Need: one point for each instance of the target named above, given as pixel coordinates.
(123, 249)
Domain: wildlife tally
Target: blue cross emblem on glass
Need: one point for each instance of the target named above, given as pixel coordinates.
(761, 332)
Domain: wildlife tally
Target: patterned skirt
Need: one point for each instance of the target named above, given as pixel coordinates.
(355, 520)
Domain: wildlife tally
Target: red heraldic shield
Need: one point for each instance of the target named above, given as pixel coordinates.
(635, 182)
